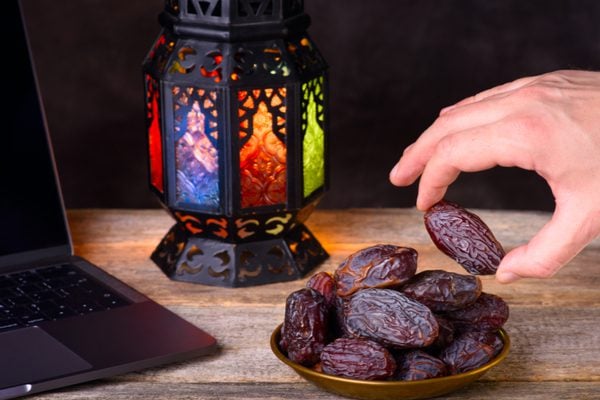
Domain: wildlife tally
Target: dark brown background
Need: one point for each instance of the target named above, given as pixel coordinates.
(393, 65)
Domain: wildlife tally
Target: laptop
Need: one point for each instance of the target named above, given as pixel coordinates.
(62, 320)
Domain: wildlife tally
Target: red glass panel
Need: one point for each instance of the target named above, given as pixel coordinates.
(154, 134)
(263, 152)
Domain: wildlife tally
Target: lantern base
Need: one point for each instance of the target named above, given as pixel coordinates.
(185, 257)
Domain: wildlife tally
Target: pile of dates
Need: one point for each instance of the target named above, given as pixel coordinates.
(375, 318)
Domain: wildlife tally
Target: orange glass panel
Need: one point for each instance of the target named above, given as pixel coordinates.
(263, 153)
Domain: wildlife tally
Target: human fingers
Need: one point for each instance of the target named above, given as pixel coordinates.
(416, 156)
(506, 87)
(561, 239)
(476, 149)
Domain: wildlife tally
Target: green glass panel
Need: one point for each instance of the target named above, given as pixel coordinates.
(314, 136)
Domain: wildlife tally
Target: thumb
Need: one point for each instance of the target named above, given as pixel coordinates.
(565, 235)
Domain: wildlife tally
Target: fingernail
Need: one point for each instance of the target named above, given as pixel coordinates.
(421, 204)
(507, 277)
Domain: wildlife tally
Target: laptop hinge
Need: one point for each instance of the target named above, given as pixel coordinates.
(28, 257)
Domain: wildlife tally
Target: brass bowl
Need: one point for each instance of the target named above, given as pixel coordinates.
(388, 390)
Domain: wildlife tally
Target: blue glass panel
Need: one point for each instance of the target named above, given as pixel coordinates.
(196, 147)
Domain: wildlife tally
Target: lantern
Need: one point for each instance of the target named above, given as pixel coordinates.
(236, 109)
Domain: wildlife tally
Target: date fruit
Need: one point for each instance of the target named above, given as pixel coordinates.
(377, 266)
(445, 335)
(305, 327)
(390, 318)
(415, 365)
(443, 291)
(339, 320)
(492, 339)
(357, 359)
(374, 319)
(488, 313)
(464, 237)
(471, 350)
(324, 283)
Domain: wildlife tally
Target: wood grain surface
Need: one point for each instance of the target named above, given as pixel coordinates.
(554, 323)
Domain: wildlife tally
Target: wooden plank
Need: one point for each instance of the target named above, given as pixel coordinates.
(352, 226)
(547, 345)
(121, 241)
(249, 391)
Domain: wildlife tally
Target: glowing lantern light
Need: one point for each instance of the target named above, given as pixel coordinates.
(236, 96)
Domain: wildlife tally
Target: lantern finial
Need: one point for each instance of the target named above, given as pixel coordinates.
(226, 20)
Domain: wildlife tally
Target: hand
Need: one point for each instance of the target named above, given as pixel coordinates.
(549, 124)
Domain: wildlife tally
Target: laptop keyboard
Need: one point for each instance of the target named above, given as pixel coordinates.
(50, 293)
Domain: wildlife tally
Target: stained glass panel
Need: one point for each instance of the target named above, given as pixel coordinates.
(313, 144)
(263, 151)
(154, 134)
(196, 147)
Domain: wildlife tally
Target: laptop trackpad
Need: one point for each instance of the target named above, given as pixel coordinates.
(31, 355)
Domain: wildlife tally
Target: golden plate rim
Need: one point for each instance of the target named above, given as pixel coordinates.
(466, 376)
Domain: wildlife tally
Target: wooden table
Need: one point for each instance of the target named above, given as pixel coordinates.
(554, 324)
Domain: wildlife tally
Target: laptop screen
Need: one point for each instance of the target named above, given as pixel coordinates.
(31, 212)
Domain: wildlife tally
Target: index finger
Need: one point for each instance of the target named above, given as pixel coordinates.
(416, 156)
(475, 149)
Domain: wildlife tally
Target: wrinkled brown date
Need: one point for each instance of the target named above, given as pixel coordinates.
(376, 266)
(339, 322)
(464, 237)
(358, 359)
(443, 291)
(492, 339)
(471, 350)
(416, 365)
(390, 318)
(445, 335)
(488, 313)
(305, 331)
(323, 283)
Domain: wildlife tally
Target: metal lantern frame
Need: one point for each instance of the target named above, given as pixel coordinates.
(237, 62)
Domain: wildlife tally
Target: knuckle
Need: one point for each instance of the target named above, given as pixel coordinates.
(537, 122)
(559, 76)
(549, 88)
(480, 96)
(446, 147)
(546, 272)
(532, 92)
(544, 268)
(408, 149)
(443, 120)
